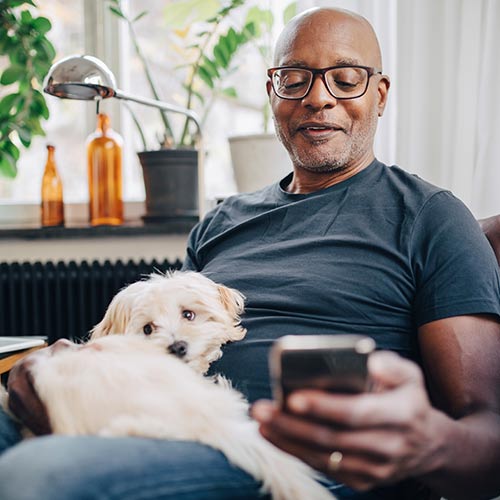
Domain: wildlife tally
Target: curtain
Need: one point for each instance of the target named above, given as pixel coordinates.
(443, 117)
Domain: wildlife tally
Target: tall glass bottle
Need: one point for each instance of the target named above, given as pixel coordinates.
(104, 160)
(52, 205)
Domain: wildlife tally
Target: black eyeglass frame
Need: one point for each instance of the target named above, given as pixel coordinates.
(321, 71)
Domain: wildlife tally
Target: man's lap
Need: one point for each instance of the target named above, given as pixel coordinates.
(9, 432)
(97, 468)
(89, 467)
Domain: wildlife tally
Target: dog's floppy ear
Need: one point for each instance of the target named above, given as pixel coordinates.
(119, 312)
(234, 302)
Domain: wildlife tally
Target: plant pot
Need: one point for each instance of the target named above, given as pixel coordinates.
(171, 184)
(258, 160)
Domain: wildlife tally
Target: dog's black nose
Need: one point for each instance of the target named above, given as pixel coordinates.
(179, 348)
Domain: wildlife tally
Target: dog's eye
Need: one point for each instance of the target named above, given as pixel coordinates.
(147, 329)
(189, 315)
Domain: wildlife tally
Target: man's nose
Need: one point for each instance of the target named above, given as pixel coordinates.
(319, 96)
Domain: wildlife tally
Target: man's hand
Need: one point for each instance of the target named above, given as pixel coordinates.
(24, 402)
(379, 437)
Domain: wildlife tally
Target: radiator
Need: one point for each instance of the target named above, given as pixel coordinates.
(64, 300)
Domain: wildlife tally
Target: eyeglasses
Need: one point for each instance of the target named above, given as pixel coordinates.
(343, 82)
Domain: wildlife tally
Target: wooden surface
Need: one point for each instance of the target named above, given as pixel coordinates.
(8, 362)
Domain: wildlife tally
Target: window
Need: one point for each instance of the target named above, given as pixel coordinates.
(87, 27)
(65, 128)
(226, 116)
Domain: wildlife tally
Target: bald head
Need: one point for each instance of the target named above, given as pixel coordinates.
(328, 133)
(351, 29)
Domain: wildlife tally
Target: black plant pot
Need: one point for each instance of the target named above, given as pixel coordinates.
(171, 184)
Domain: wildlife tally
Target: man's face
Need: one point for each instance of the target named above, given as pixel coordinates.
(321, 133)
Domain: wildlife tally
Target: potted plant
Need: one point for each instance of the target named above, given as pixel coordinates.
(30, 54)
(209, 44)
(259, 159)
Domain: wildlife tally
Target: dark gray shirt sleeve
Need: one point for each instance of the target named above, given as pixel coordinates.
(454, 265)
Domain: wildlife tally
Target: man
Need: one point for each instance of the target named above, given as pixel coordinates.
(344, 245)
(361, 248)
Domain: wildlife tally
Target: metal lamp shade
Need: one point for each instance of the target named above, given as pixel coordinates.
(80, 77)
(87, 78)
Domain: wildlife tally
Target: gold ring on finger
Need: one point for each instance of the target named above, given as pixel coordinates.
(334, 461)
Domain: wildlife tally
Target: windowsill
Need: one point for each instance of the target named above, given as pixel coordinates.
(84, 230)
(23, 222)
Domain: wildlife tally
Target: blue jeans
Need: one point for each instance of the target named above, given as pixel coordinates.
(89, 467)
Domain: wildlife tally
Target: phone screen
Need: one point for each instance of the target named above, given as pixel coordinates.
(305, 363)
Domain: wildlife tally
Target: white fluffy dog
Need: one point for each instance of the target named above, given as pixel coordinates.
(126, 385)
(185, 312)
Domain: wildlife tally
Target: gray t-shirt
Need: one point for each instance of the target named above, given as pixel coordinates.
(378, 254)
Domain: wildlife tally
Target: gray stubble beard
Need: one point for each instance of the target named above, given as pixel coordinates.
(341, 161)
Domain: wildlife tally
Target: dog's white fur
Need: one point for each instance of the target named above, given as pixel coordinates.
(160, 302)
(128, 385)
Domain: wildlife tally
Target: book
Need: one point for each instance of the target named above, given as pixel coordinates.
(10, 345)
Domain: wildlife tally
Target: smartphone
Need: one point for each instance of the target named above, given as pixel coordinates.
(335, 363)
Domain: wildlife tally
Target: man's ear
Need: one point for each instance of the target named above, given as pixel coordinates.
(269, 88)
(383, 90)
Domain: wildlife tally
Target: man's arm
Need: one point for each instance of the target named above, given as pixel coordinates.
(461, 362)
(395, 433)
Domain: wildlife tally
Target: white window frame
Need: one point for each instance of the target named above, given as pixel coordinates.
(103, 35)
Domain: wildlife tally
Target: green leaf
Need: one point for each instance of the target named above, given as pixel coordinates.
(18, 56)
(205, 76)
(48, 48)
(230, 92)
(227, 47)
(34, 124)
(289, 12)
(7, 166)
(263, 19)
(26, 17)
(16, 3)
(12, 74)
(42, 25)
(232, 39)
(43, 110)
(24, 135)
(180, 14)
(210, 67)
(221, 53)
(7, 103)
(41, 66)
(249, 31)
(117, 12)
(139, 16)
(12, 150)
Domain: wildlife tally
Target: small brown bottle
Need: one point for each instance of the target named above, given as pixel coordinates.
(104, 161)
(52, 206)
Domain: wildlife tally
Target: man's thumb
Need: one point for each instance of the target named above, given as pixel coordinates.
(388, 370)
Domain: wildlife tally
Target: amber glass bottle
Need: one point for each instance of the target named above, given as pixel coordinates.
(52, 206)
(104, 160)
